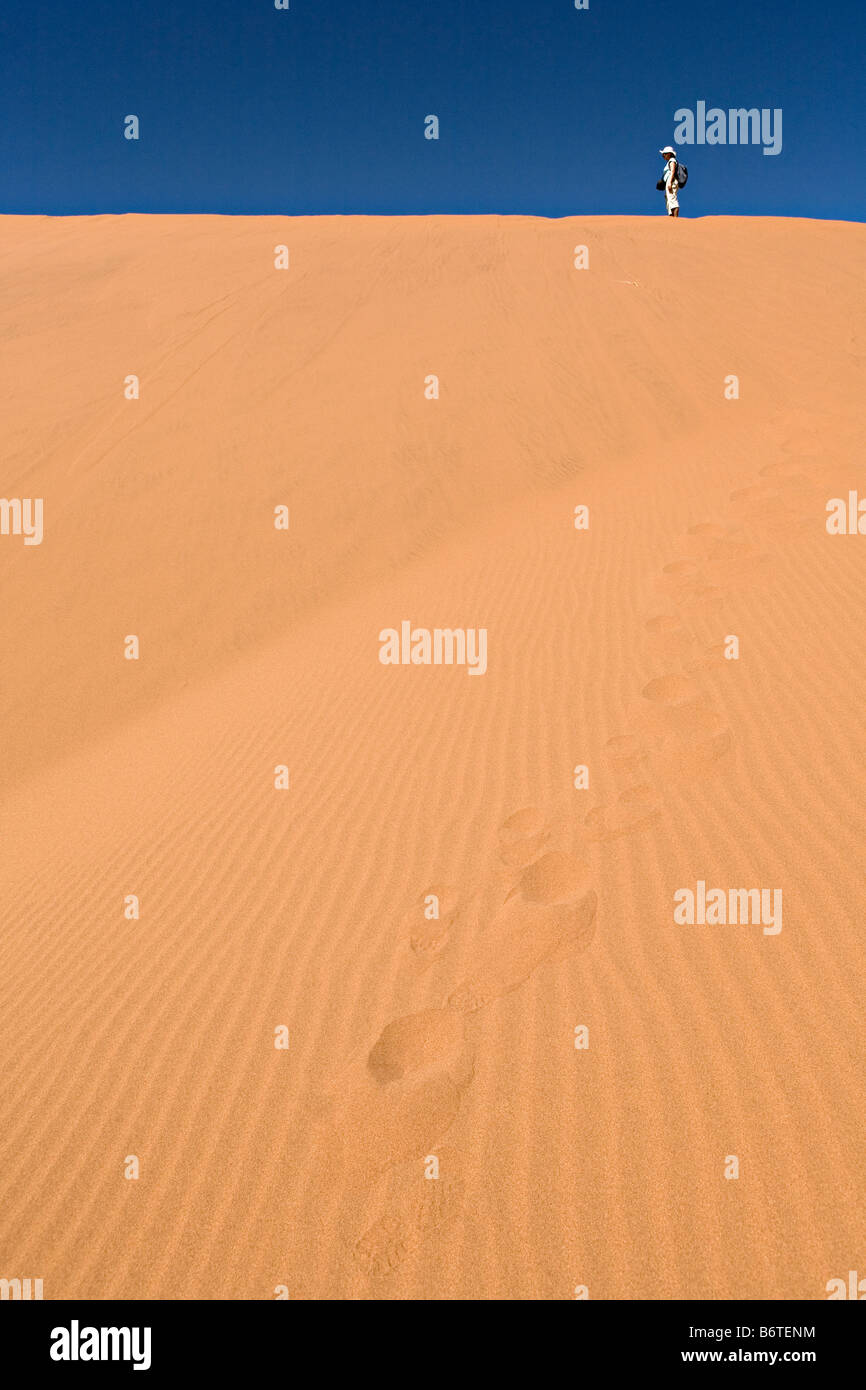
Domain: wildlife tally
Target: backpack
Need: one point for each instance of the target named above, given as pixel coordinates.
(681, 175)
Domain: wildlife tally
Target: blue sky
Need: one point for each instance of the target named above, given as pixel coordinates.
(320, 109)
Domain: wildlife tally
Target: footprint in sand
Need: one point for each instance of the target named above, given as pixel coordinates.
(705, 532)
(706, 595)
(665, 625)
(397, 1099)
(762, 505)
(675, 640)
(682, 574)
(791, 474)
(804, 481)
(708, 657)
(550, 912)
(634, 809)
(420, 1207)
(803, 488)
(639, 805)
(692, 734)
(753, 493)
(668, 695)
(627, 753)
(670, 636)
(428, 936)
(688, 584)
(416, 1045)
(522, 837)
(731, 551)
(797, 448)
(728, 557)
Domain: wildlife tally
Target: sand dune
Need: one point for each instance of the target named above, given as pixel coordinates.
(415, 1037)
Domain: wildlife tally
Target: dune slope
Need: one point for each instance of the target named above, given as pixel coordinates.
(412, 1036)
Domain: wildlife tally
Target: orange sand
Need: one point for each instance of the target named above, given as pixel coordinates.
(412, 1037)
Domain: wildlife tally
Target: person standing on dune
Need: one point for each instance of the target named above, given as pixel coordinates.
(669, 181)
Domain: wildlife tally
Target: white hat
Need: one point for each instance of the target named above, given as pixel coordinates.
(668, 149)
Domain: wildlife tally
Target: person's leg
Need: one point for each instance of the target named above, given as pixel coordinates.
(675, 212)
